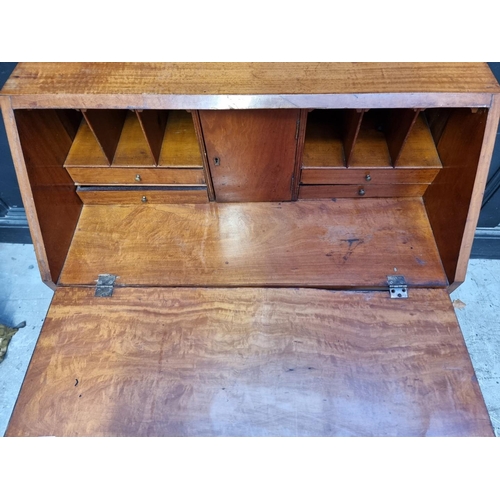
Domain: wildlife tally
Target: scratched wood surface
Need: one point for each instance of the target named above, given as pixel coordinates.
(350, 242)
(248, 78)
(250, 362)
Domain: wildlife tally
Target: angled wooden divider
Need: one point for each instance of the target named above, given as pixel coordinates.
(352, 125)
(85, 150)
(399, 123)
(153, 123)
(106, 125)
(133, 148)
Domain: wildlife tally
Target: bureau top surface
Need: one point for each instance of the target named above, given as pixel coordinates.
(248, 78)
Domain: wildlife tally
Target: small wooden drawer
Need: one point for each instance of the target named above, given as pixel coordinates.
(364, 176)
(124, 195)
(139, 176)
(362, 191)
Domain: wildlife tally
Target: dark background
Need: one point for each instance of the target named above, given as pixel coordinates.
(14, 227)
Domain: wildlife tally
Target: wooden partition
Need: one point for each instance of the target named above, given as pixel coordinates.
(45, 140)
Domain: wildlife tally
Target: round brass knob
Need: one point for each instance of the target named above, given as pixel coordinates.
(138, 178)
(368, 177)
(361, 192)
(144, 199)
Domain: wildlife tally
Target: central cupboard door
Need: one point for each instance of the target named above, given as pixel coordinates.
(251, 153)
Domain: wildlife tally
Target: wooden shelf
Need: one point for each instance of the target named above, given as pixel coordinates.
(143, 135)
(133, 149)
(85, 150)
(379, 138)
(180, 147)
(305, 243)
(323, 143)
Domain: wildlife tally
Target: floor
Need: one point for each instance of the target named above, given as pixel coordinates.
(23, 297)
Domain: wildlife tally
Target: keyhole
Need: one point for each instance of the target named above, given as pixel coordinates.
(216, 161)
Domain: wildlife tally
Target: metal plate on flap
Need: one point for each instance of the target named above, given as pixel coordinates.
(397, 287)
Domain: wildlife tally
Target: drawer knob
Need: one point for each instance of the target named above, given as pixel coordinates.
(138, 178)
(368, 177)
(144, 199)
(361, 192)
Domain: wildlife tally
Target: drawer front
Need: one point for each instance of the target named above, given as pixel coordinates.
(364, 176)
(137, 176)
(362, 191)
(92, 196)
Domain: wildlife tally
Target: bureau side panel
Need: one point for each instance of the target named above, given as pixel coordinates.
(40, 143)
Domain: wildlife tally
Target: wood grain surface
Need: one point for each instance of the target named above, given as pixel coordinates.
(323, 145)
(248, 78)
(147, 176)
(347, 243)
(447, 199)
(180, 146)
(153, 123)
(363, 190)
(133, 149)
(250, 362)
(142, 196)
(352, 120)
(51, 193)
(398, 127)
(376, 175)
(107, 126)
(419, 149)
(370, 149)
(255, 151)
(85, 150)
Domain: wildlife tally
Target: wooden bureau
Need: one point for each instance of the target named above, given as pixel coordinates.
(231, 246)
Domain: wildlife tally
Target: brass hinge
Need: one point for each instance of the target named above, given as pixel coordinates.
(105, 285)
(397, 287)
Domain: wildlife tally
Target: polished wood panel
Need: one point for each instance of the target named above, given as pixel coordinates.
(352, 120)
(255, 151)
(71, 120)
(201, 144)
(133, 149)
(465, 148)
(304, 243)
(398, 127)
(250, 362)
(103, 79)
(26, 190)
(45, 143)
(370, 149)
(147, 176)
(180, 145)
(85, 150)
(376, 176)
(151, 197)
(447, 199)
(299, 153)
(323, 143)
(106, 125)
(419, 149)
(153, 123)
(361, 191)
